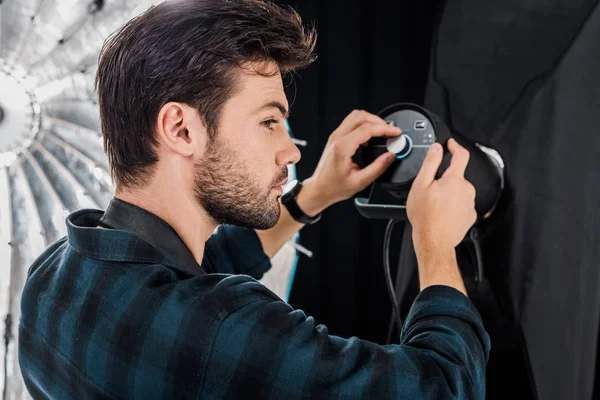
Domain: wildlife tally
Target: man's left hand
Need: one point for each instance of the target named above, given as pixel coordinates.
(337, 177)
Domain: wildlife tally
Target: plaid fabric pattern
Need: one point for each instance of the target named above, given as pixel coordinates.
(106, 316)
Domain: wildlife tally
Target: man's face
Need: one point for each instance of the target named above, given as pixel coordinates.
(238, 180)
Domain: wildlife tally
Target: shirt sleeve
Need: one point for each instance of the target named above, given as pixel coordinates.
(235, 250)
(267, 350)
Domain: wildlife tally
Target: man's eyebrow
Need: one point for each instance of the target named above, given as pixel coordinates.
(274, 104)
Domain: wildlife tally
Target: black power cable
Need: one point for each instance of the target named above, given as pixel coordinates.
(388, 275)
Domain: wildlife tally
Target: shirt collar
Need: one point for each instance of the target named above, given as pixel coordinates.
(123, 219)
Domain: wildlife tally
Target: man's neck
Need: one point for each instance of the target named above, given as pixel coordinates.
(186, 217)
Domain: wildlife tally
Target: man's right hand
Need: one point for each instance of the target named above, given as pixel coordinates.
(441, 213)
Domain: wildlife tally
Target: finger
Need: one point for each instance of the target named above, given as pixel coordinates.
(430, 166)
(460, 159)
(368, 174)
(365, 132)
(355, 119)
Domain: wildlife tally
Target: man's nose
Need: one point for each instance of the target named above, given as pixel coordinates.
(290, 155)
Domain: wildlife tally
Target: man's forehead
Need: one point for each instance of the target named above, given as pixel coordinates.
(263, 89)
(262, 82)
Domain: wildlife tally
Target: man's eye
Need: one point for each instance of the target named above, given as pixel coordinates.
(268, 123)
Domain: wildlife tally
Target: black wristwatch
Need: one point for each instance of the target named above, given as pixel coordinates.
(289, 201)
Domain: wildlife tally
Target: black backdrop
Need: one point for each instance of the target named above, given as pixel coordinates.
(370, 54)
(519, 76)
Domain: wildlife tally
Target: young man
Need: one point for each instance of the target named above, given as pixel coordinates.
(144, 301)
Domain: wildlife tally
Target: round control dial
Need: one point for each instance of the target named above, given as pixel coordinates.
(401, 146)
(411, 147)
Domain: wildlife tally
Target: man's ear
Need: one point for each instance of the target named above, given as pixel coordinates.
(180, 129)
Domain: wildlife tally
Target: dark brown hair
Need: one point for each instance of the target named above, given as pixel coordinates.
(186, 51)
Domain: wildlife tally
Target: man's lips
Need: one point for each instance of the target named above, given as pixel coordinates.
(283, 182)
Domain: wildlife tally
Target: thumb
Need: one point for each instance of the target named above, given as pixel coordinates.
(430, 166)
(368, 174)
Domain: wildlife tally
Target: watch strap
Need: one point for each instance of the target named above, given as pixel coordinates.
(289, 201)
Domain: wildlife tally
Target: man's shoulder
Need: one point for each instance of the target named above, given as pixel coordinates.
(49, 255)
(88, 315)
(60, 269)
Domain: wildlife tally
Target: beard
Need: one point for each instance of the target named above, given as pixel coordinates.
(225, 189)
